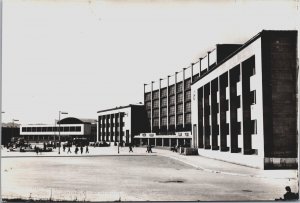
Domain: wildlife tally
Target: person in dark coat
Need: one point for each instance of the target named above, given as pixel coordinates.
(130, 148)
(289, 195)
(81, 149)
(69, 150)
(76, 150)
(87, 149)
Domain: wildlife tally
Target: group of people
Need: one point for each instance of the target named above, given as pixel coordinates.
(77, 149)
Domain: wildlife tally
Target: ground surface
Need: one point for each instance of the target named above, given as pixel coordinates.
(138, 177)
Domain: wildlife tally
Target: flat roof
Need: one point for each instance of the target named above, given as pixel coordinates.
(240, 49)
(120, 107)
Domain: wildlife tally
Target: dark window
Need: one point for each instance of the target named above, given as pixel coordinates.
(164, 121)
(155, 122)
(164, 111)
(49, 129)
(179, 119)
(188, 95)
(155, 94)
(188, 107)
(172, 120)
(164, 92)
(172, 100)
(38, 129)
(172, 110)
(188, 118)
(24, 129)
(156, 104)
(78, 128)
(33, 129)
(253, 127)
(44, 129)
(148, 96)
(179, 108)
(179, 87)
(172, 90)
(179, 98)
(155, 112)
(72, 128)
(164, 102)
(187, 84)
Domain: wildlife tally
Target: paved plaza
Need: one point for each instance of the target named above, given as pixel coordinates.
(105, 175)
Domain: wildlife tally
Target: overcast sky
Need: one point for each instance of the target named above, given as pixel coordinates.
(85, 56)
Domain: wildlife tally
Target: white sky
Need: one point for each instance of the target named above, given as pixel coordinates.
(84, 56)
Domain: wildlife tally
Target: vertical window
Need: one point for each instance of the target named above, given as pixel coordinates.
(172, 110)
(188, 118)
(188, 107)
(179, 119)
(179, 108)
(164, 102)
(188, 95)
(164, 121)
(155, 122)
(172, 120)
(179, 98)
(179, 87)
(172, 100)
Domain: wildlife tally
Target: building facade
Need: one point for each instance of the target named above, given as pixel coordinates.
(67, 128)
(245, 106)
(120, 124)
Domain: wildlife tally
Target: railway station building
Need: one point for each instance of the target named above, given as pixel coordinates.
(69, 128)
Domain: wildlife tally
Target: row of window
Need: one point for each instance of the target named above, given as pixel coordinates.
(52, 129)
(103, 125)
(172, 120)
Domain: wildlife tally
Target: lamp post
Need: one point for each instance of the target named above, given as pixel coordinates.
(60, 112)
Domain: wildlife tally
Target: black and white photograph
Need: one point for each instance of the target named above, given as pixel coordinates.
(149, 100)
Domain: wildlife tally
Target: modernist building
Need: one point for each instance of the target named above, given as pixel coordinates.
(68, 128)
(168, 101)
(245, 106)
(120, 124)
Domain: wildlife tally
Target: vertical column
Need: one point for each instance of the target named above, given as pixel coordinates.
(159, 104)
(111, 127)
(98, 129)
(170, 140)
(200, 67)
(207, 129)
(200, 118)
(214, 113)
(224, 107)
(168, 120)
(162, 142)
(192, 72)
(234, 74)
(151, 123)
(183, 97)
(176, 100)
(116, 127)
(208, 60)
(119, 128)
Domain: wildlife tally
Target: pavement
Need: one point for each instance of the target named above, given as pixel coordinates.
(199, 162)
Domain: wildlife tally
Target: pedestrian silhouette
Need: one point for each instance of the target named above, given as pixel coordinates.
(76, 150)
(87, 150)
(64, 147)
(81, 149)
(130, 148)
(69, 150)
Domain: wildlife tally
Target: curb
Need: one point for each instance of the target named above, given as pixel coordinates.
(222, 172)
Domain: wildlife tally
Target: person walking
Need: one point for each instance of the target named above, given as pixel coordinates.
(76, 149)
(69, 150)
(81, 149)
(64, 147)
(87, 150)
(130, 148)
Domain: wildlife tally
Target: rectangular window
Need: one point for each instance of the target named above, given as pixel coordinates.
(164, 121)
(66, 129)
(72, 128)
(179, 87)
(172, 110)
(172, 120)
(55, 129)
(149, 113)
(188, 107)
(148, 105)
(179, 119)
(253, 127)
(164, 102)
(33, 129)
(187, 84)
(188, 118)
(253, 97)
(39, 129)
(188, 95)
(179, 98)
(49, 129)
(172, 100)
(24, 129)
(172, 90)
(155, 122)
(164, 111)
(155, 112)
(148, 96)
(155, 103)
(179, 108)
(155, 94)
(163, 92)
(78, 128)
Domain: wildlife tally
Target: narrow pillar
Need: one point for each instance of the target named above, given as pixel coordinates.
(176, 100)
(151, 123)
(162, 142)
(170, 140)
(183, 97)
(168, 120)
(159, 104)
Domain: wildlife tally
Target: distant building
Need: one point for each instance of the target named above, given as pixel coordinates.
(9, 130)
(120, 124)
(68, 128)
